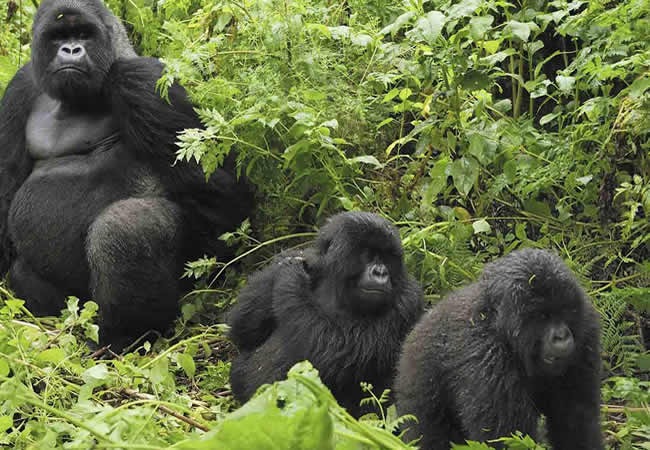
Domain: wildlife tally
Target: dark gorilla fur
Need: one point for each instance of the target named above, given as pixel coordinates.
(90, 204)
(308, 305)
(490, 358)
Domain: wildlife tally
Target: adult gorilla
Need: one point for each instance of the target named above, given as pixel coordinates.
(89, 203)
(489, 359)
(345, 304)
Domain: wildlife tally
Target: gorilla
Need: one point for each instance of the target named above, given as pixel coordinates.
(344, 304)
(90, 204)
(490, 358)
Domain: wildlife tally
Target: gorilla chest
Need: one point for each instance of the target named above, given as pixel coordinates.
(51, 212)
(54, 130)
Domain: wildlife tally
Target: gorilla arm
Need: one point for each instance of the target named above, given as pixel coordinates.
(149, 125)
(252, 319)
(148, 122)
(15, 162)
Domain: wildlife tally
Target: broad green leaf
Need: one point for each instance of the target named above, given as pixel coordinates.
(503, 106)
(464, 172)
(482, 148)
(474, 80)
(478, 26)
(520, 231)
(510, 171)
(639, 87)
(390, 95)
(6, 422)
(548, 118)
(52, 355)
(464, 8)
(584, 180)
(4, 367)
(491, 46)
(438, 181)
(522, 30)
(361, 40)
(367, 159)
(405, 93)
(187, 364)
(538, 208)
(96, 374)
(428, 28)
(565, 84)
(498, 57)
(481, 226)
(384, 122)
(398, 24)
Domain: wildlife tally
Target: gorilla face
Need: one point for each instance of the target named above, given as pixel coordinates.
(71, 51)
(556, 348)
(371, 289)
(361, 257)
(543, 332)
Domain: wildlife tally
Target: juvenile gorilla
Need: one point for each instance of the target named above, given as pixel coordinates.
(345, 305)
(490, 358)
(89, 203)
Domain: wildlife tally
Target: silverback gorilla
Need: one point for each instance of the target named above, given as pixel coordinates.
(490, 358)
(345, 305)
(90, 204)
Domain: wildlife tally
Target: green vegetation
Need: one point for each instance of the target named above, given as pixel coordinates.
(476, 126)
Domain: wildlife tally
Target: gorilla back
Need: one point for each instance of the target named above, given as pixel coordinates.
(89, 203)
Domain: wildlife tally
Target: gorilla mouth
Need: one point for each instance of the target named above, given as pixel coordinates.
(69, 69)
(554, 365)
(373, 291)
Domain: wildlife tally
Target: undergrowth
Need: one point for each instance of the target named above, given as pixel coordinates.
(478, 127)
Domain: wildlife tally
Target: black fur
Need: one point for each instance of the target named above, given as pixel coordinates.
(90, 204)
(472, 367)
(303, 306)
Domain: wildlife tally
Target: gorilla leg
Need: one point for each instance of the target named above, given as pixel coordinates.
(134, 253)
(41, 297)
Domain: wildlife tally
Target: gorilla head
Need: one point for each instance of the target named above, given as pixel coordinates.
(539, 307)
(75, 43)
(360, 258)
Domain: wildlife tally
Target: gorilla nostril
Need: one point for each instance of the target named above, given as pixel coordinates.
(561, 334)
(380, 271)
(71, 51)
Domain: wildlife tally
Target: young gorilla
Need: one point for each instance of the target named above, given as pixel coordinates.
(345, 305)
(89, 203)
(490, 358)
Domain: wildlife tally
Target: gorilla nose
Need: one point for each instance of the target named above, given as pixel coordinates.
(380, 272)
(562, 340)
(71, 52)
(561, 333)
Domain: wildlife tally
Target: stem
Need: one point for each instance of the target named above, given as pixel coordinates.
(520, 87)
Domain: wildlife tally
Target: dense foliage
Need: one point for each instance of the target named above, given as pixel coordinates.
(476, 126)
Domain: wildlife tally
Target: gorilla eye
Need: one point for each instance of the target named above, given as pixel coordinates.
(59, 35)
(84, 33)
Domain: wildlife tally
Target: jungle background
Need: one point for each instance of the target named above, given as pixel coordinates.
(477, 127)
